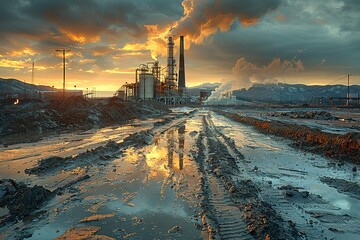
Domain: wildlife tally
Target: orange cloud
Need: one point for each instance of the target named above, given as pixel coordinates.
(155, 44)
(119, 71)
(86, 61)
(24, 52)
(18, 64)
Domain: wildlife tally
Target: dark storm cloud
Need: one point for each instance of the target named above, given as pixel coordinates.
(204, 18)
(81, 21)
(320, 33)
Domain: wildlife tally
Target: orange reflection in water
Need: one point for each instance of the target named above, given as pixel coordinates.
(165, 155)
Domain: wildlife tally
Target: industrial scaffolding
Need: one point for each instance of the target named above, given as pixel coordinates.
(154, 82)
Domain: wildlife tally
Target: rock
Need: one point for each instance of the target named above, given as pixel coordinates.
(27, 199)
(7, 187)
(22, 200)
(175, 230)
(305, 194)
(289, 193)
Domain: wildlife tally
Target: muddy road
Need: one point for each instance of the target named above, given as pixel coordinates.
(187, 175)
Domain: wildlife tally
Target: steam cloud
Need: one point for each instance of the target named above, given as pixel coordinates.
(203, 18)
(246, 73)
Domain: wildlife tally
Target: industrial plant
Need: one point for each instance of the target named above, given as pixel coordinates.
(152, 82)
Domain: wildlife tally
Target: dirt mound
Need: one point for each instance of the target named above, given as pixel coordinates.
(119, 110)
(75, 110)
(318, 115)
(29, 121)
(53, 163)
(47, 163)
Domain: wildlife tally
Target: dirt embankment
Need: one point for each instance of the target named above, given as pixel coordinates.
(31, 120)
(341, 147)
(318, 115)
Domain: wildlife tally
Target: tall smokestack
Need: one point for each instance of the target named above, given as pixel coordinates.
(171, 77)
(181, 82)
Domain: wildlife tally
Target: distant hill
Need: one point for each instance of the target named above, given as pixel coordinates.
(207, 87)
(297, 93)
(14, 86)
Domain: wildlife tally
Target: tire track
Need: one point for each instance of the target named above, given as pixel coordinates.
(228, 221)
(231, 224)
(239, 210)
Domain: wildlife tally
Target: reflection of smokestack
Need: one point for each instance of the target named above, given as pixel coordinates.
(170, 148)
(181, 132)
(181, 83)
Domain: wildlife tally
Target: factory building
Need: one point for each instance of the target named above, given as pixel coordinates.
(156, 83)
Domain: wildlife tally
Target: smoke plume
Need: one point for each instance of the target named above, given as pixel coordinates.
(203, 18)
(245, 74)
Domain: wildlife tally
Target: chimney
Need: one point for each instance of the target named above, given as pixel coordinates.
(181, 82)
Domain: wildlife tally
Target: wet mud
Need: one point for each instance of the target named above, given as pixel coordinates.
(341, 147)
(232, 201)
(196, 175)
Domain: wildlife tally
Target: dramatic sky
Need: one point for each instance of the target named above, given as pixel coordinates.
(245, 41)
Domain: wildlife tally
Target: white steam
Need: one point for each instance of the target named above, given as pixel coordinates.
(245, 74)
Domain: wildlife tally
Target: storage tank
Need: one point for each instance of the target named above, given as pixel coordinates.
(146, 90)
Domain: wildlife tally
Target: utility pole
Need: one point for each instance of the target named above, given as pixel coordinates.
(348, 91)
(64, 51)
(32, 79)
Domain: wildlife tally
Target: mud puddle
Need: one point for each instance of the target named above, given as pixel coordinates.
(272, 164)
(15, 158)
(147, 193)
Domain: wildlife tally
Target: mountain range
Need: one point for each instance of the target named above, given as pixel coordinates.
(14, 86)
(295, 93)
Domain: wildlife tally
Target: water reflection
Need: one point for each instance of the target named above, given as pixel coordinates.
(170, 147)
(165, 155)
(181, 137)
